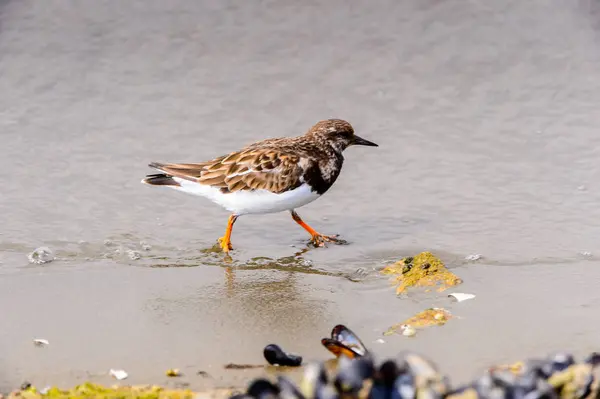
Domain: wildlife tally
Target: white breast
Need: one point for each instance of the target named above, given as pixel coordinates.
(249, 202)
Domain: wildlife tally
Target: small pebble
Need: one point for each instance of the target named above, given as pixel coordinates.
(41, 255)
(586, 253)
(473, 257)
(581, 188)
(134, 255)
(380, 341)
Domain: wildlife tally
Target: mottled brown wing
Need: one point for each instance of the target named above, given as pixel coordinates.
(269, 169)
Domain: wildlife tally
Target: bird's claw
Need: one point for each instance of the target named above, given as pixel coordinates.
(319, 240)
(225, 245)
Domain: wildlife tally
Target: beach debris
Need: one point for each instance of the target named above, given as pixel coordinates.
(40, 342)
(473, 257)
(344, 342)
(134, 255)
(406, 375)
(276, 356)
(351, 374)
(263, 388)
(422, 270)
(460, 296)
(118, 374)
(380, 341)
(173, 373)
(411, 375)
(45, 390)
(427, 318)
(236, 366)
(90, 390)
(145, 246)
(586, 253)
(41, 255)
(407, 330)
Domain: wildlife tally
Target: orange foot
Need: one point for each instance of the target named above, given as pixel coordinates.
(319, 240)
(225, 244)
(225, 241)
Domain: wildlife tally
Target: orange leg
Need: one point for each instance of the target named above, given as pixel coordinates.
(317, 239)
(225, 241)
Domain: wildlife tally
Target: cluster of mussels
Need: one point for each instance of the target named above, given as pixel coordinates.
(410, 375)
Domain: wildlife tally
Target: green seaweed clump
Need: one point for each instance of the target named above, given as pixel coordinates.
(89, 390)
(423, 270)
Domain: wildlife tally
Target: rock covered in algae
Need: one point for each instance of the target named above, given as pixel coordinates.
(89, 390)
(423, 270)
(427, 318)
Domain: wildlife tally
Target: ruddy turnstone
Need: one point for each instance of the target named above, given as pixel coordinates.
(269, 176)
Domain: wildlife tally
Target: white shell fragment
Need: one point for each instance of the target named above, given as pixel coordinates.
(41, 255)
(473, 257)
(118, 374)
(134, 255)
(41, 342)
(459, 297)
(408, 330)
(380, 341)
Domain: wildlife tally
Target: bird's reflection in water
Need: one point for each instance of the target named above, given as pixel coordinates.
(275, 297)
(213, 256)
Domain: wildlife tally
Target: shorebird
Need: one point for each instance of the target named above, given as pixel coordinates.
(269, 176)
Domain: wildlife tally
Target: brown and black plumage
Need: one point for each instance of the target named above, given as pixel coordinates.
(268, 176)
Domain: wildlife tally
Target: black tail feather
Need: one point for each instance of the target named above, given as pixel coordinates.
(160, 179)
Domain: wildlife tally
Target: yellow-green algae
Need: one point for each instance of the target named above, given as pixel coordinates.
(422, 270)
(90, 390)
(427, 318)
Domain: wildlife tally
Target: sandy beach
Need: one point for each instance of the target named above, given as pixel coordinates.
(487, 124)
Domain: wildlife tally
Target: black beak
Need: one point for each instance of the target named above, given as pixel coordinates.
(360, 141)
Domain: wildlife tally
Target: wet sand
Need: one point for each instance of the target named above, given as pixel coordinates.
(486, 117)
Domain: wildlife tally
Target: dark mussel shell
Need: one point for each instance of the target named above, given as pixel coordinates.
(352, 373)
(262, 388)
(344, 342)
(420, 375)
(314, 380)
(275, 355)
(287, 389)
(561, 361)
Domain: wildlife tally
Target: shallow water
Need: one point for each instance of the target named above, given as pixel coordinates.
(486, 117)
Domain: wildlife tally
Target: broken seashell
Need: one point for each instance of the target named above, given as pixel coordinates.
(473, 257)
(118, 374)
(41, 342)
(459, 296)
(408, 330)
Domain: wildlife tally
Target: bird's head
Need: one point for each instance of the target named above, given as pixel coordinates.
(338, 133)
